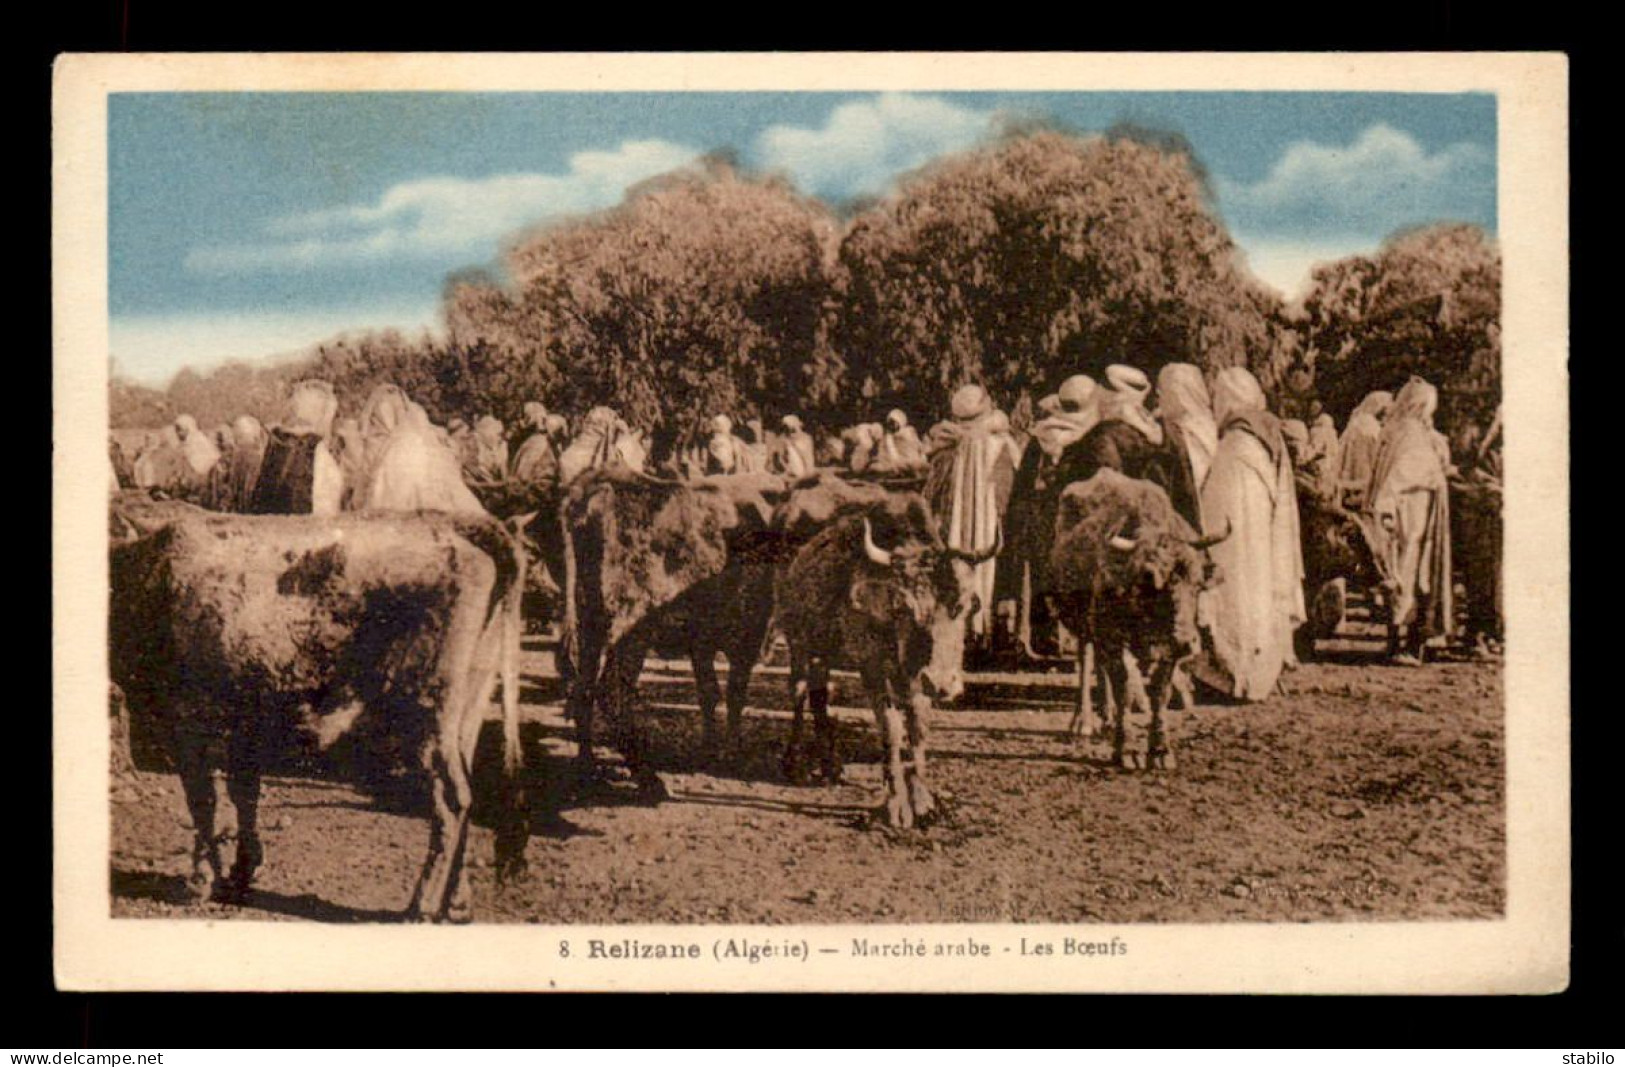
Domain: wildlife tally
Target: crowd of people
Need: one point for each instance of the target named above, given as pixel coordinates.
(1227, 463)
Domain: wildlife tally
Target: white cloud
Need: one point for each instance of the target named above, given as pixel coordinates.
(443, 217)
(1285, 264)
(151, 348)
(863, 146)
(1382, 181)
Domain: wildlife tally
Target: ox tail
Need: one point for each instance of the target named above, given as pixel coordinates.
(513, 831)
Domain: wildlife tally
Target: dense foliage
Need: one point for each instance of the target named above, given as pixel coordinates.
(1045, 256)
(1014, 265)
(1428, 303)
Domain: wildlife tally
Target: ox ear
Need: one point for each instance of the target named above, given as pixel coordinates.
(870, 599)
(866, 598)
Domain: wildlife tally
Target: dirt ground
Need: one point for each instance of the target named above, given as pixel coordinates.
(1365, 792)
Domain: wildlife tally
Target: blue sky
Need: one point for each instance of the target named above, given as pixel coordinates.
(245, 225)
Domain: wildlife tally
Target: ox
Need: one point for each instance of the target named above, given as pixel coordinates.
(232, 629)
(649, 564)
(1126, 572)
(896, 615)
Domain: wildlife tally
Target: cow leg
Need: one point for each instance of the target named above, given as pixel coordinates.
(1135, 713)
(704, 661)
(818, 697)
(791, 764)
(1084, 721)
(890, 721)
(1159, 744)
(243, 786)
(581, 704)
(197, 783)
(919, 729)
(1115, 674)
(626, 663)
(1183, 689)
(740, 664)
(451, 795)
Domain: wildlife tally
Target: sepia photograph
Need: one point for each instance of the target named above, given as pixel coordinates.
(962, 522)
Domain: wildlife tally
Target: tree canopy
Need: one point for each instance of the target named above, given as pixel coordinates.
(1014, 265)
(1428, 303)
(1041, 257)
(704, 292)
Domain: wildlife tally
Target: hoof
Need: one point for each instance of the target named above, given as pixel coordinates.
(897, 813)
(594, 787)
(512, 871)
(1131, 761)
(923, 803)
(230, 891)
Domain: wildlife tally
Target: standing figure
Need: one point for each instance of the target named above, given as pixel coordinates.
(198, 450)
(412, 468)
(298, 474)
(161, 463)
(1357, 450)
(1068, 416)
(490, 450)
(1325, 457)
(723, 448)
(350, 449)
(863, 445)
(1187, 418)
(231, 483)
(964, 453)
(1250, 492)
(900, 448)
(599, 444)
(796, 458)
(1407, 519)
(537, 461)
(758, 454)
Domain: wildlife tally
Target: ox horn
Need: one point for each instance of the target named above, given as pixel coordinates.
(1213, 539)
(1121, 543)
(875, 553)
(977, 558)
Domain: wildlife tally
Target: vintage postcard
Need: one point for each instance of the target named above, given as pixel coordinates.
(977, 522)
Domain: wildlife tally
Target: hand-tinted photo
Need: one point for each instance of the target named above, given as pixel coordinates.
(794, 507)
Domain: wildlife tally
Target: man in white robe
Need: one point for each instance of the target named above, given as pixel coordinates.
(1407, 521)
(1250, 491)
(413, 468)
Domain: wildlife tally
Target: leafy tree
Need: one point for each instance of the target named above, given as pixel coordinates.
(704, 291)
(1044, 256)
(1428, 303)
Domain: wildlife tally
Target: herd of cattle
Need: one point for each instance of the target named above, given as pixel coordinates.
(229, 631)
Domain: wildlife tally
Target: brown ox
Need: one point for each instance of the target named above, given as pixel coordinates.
(659, 564)
(235, 628)
(1126, 573)
(895, 615)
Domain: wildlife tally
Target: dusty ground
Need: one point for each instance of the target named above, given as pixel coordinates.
(1366, 792)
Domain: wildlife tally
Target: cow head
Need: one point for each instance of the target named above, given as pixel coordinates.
(1170, 575)
(899, 587)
